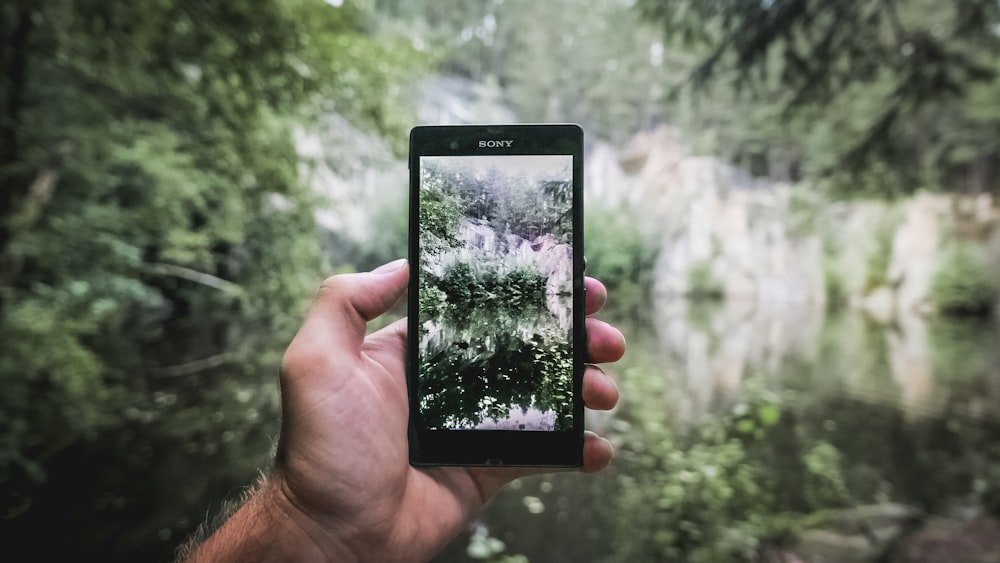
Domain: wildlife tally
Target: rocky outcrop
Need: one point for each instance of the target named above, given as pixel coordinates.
(860, 534)
(892, 533)
(724, 233)
(974, 541)
(543, 253)
(915, 246)
(773, 256)
(719, 227)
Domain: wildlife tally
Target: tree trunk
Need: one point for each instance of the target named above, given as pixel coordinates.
(15, 66)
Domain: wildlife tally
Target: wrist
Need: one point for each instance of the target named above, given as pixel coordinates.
(269, 527)
(318, 537)
(327, 528)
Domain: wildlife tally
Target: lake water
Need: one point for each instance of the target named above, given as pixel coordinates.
(830, 409)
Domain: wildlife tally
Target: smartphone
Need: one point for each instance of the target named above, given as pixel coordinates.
(496, 336)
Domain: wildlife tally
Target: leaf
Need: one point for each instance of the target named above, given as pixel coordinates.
(769, 414)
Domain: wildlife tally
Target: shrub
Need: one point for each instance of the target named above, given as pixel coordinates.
(880, 257)
(524, 287)
(483, 285)
(460, 285)
(962, 284)
(701, 283)
(439, 216)
(836, 287)
(619, 251)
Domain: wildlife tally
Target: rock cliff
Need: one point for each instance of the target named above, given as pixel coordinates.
(725, 234)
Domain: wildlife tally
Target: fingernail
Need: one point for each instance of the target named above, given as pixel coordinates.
(390, 267)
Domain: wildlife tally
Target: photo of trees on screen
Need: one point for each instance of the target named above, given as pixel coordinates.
(496, 292)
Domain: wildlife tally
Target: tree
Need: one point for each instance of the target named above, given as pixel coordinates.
(555, 61)
(156, 247)
(884, 78)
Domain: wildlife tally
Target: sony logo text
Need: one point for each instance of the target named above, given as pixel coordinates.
(495, 144)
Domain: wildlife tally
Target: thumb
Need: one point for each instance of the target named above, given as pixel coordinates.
(345, 303)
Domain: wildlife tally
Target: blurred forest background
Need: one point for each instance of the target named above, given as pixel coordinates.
(791, 201)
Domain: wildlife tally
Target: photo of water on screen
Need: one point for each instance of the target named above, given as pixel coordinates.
(496, 292)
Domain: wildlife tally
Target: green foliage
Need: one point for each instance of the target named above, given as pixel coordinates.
(433, 301)
(834, 285)
(622, 254)
(962, 348)
(702, 283)
(524, 287)
(757, 474)
(603, 69)
(880, 256)
(702, 496)
(805, 211)
(486, 310)
(801, 428)
(485, 374)
(877, 100)
(489, 343)
(462, 288)
(962, 284)
(880, 99)
(439, 217)
(825, 463)
(619, 250)
(470, 286)
(157, 248)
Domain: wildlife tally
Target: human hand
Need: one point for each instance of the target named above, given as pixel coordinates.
(342, 486)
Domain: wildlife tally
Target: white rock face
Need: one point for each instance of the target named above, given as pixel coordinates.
(355, 176)
(711, 217)
(777, 244)
(544, 254)
(915, 252)
(774, 253)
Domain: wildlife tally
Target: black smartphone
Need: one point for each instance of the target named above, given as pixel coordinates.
(496, 336)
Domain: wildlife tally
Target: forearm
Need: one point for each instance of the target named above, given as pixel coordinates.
(266, 527)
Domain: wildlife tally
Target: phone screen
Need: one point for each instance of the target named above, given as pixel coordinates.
(493, 327)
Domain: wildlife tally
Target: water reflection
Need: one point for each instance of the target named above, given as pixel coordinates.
(916, 363)
(713, 346)
(896, 416)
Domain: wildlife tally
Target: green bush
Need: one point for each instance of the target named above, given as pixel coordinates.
(619, 252)
(836, 290)
(705, 495)
(523, 287)
(470, 287)
(962, 284)
(525, 372)
(439, 216)
(484, 309)
(701, 283)
(880, 257)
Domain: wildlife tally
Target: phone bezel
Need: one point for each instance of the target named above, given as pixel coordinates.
(497, 447)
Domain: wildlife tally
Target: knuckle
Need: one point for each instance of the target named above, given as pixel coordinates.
(334, 282)
(300, 358)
